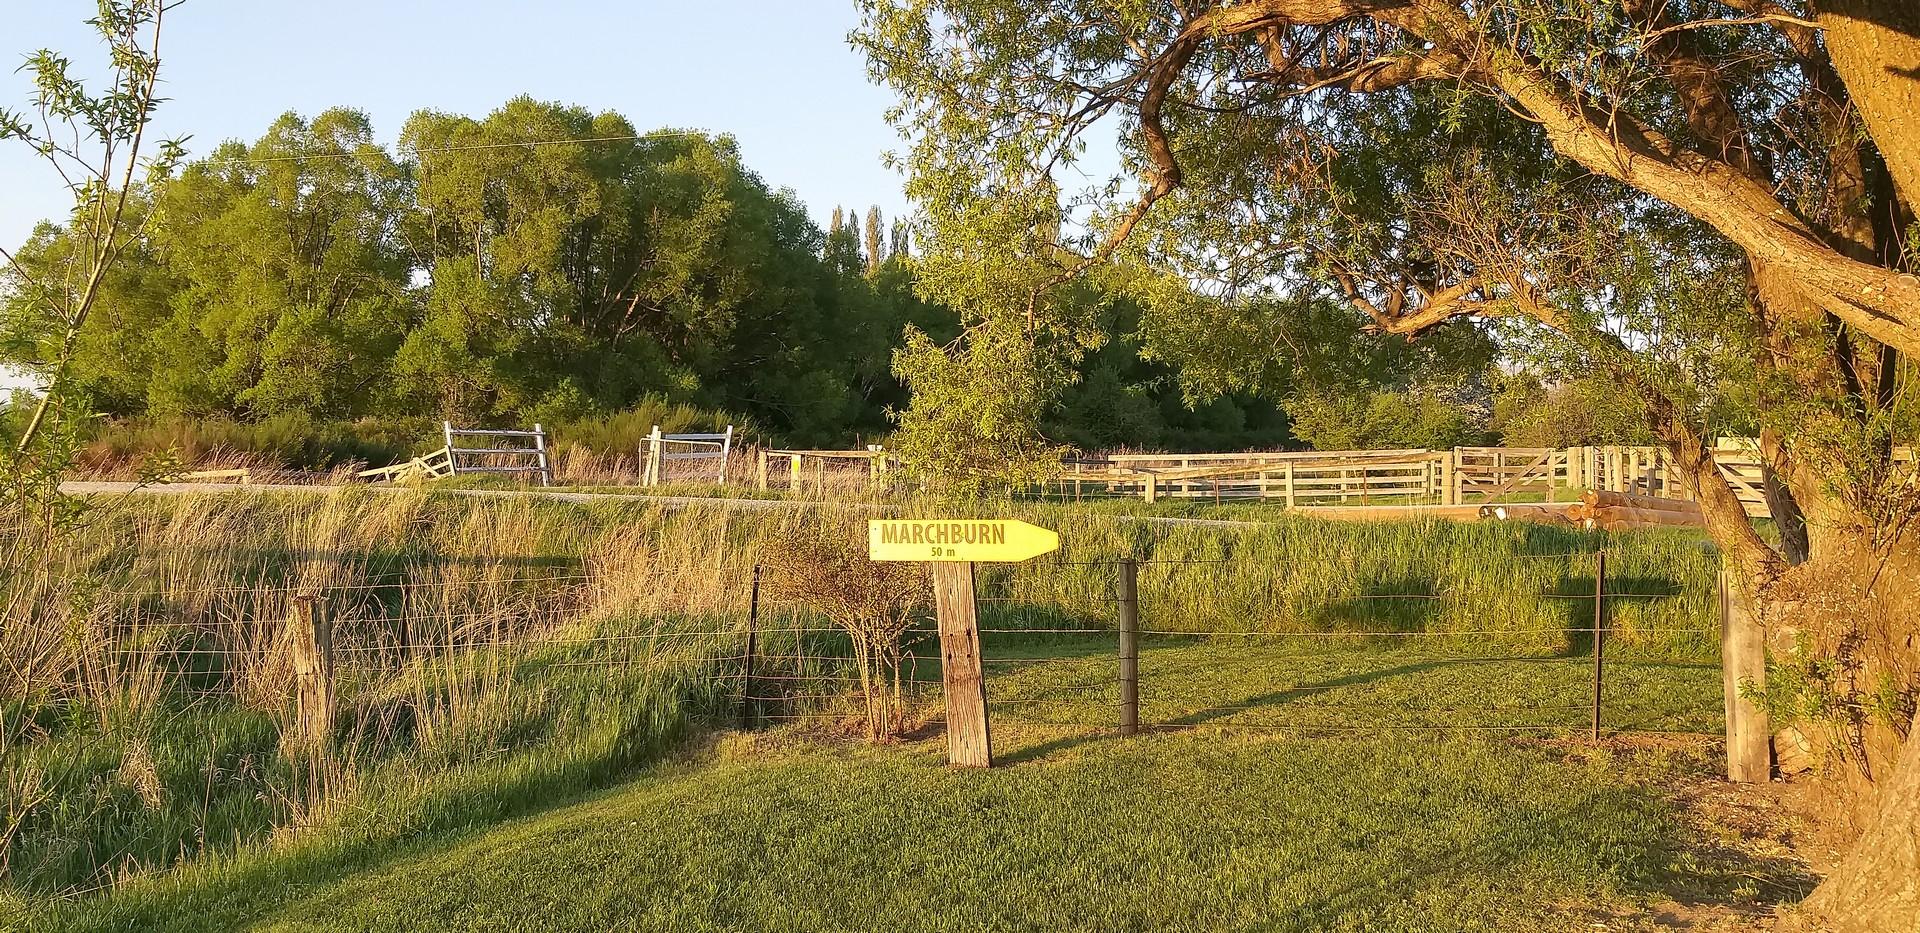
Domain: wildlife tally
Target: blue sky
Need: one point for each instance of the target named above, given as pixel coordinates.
(779, 76)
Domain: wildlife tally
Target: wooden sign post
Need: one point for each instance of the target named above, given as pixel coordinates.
(953, 547)
(969, 739)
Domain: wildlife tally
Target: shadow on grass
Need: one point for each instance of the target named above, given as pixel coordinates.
(1658, 869)
(1287, 695)
(1211, 714)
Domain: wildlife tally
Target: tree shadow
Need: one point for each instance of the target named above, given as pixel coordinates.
(1270, 699)
(1404, 603)
(1648, 867)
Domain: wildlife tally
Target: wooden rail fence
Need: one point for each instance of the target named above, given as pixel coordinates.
(500, 451)
(1459, 476)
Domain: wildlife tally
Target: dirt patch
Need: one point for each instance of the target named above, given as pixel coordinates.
(1749, 852)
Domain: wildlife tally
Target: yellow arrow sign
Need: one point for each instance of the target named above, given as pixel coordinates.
(998, 541)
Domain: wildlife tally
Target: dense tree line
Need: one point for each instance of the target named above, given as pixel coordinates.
(545, 263)
(542, 262)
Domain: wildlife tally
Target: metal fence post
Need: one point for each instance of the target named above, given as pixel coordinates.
(1599, 633)
(1129, 646)
(748, 719)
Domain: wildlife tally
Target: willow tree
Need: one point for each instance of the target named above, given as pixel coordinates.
(1679, 191)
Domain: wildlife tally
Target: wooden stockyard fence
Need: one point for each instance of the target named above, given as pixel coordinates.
(1461, 476)
(814, 471)
(1439, 481)
(659, 449)
(474, 450)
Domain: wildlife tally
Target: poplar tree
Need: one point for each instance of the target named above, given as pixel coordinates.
(876, 248)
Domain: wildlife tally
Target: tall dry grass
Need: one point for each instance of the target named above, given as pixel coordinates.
(492, 652)
(146, 677)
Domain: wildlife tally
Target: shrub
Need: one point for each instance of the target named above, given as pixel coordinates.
(873, 601)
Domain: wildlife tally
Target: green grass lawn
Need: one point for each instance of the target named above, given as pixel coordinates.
(1312, 821)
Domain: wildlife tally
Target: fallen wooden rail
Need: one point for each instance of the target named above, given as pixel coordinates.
(435, 465)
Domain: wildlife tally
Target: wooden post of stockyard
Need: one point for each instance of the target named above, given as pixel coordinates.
(453, 459)
(1743, 661)
(1286, 476)
(747, 702)
(310, 645)
(1129, 646)
(1599, 633)
(969, 744)
(540, 454)
(1449, 477)
(760, 470)
(793, 474)
(652, 477)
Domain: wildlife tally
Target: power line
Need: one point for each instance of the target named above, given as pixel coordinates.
(418, 150)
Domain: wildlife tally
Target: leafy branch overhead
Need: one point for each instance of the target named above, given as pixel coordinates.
(1703, 203)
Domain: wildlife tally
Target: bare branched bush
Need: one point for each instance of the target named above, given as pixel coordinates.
(874, 602)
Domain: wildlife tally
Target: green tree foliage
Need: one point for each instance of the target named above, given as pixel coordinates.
(546, 263)
(1705, 203)
(977, 403)
(539, 263)
(1576, 412)
(1382, 419)
(94, 139)
(876, 246)
(287, 292)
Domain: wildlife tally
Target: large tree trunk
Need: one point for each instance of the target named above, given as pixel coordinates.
(1877, 888)
(1862, 603)
(1875, 47)
(1855, 604)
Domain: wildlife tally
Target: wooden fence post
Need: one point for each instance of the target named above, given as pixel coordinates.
(1450, 477)
(793, 475)
(1129, 646)
(310, 644)
(969, 743)
(1286, 476)
(1599, 633)
(748, 706)
(652, 474)
(760, 470)
(1152, 491)
(540, 453)
(1743, 660)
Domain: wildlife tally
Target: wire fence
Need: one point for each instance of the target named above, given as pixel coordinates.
(1052, 647)
(1054, 668)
